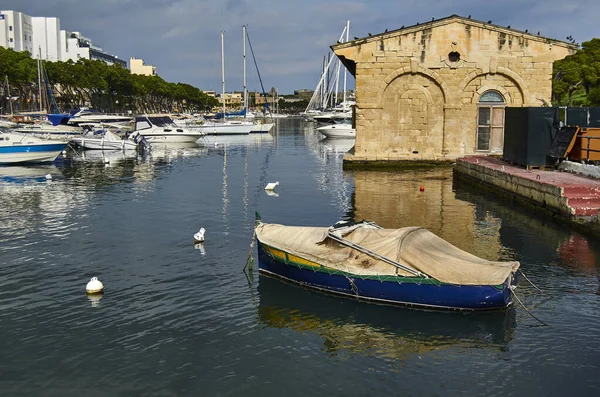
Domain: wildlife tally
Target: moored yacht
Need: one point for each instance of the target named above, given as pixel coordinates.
(104, 140)
(161, 128)
(23, 148)
(342, 130)
(85, 115)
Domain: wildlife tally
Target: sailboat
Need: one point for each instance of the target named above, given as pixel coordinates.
(258, 126)
(317, 108)
(48, 129)
(224, 126)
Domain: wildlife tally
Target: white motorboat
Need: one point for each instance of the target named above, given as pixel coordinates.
(85, 115)
(23, 148)
(161, 128)
(104, 140)
(333, 116)
(338, 131)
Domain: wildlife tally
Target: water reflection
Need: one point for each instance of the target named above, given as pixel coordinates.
(394, 199)
(167, 152)
(338, 146)
(331, 179)
(108, 158)
(530, 236)
(249, 140)
(95, 299)
(392, 333)
(27, 173)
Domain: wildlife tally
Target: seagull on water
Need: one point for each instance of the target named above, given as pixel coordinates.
(271, 185)
(199, 237)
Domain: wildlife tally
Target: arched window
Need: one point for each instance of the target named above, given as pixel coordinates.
(490, 122)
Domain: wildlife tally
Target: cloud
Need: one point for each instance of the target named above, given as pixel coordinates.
(182, 37)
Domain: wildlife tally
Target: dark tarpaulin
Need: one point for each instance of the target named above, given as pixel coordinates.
(528, 135)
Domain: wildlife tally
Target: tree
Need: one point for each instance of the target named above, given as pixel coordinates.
(577, 74)
(94, 83)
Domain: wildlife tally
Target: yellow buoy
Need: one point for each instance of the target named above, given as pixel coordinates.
(94, 286)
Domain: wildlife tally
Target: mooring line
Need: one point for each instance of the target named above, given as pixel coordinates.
(526, 309)
(535, 286)
(250, 259)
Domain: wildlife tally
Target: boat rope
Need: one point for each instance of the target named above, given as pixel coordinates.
(258, 72)
(535, 286)
(512, 290)
(353, 286)
(75, 150)
(375, 255)
(250, 260)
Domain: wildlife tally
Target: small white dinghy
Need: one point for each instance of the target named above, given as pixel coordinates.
(104, 140)
(338, 131)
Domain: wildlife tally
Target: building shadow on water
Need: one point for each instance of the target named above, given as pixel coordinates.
(389, 332)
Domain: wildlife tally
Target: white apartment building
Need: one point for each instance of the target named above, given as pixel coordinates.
(137, 66)
(43, 38)
(16, 31)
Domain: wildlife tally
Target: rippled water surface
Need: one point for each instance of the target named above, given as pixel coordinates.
(179, 319)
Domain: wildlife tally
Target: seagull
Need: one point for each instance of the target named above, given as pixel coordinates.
(199, 237)
(48, 176)
(271, 185)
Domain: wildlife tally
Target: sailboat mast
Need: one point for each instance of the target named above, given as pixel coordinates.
(346, 70)
(245, 87)
(9, 96)
(223, 69)
(39, 78)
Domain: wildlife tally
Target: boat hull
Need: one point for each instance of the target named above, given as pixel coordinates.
(258, 128)
(337, 131)
(103, 144)
(171, 138)
(226, 129)
(419, 292)
(31, 153)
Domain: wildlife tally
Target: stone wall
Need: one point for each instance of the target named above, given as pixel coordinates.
(417, 89)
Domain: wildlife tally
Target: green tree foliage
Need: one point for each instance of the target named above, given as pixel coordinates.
(576, 79)
(96, 84)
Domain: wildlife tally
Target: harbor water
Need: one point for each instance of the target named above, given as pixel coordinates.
(179, 318)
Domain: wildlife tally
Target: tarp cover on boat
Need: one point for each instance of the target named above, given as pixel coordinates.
(414, 247)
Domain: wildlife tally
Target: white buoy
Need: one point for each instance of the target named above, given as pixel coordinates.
(49, 177)
(199, 237)
(271, 185)
(94, 286)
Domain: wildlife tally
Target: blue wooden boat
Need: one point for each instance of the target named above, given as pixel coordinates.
(407, 266)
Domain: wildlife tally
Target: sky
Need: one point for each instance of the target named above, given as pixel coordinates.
(182, 38)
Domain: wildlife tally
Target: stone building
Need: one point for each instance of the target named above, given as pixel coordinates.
(437, 91)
